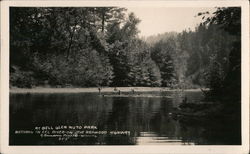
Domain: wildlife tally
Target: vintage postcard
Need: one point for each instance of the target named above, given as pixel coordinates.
(124, 77)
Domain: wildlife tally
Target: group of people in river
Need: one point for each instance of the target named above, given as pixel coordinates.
(116, 90)
(133, 92)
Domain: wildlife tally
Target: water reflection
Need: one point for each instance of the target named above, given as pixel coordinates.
(149, 119)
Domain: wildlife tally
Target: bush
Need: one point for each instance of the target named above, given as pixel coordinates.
(21, 79)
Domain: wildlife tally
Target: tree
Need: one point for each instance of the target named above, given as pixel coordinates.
(229, 20)
(162, 54)
(43, 38)
(109, 15)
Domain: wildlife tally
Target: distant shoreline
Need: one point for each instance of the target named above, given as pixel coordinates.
(94, 90)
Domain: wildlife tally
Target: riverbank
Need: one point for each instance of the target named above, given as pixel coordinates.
(93, 89)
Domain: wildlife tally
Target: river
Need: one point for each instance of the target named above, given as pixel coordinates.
(143, 118)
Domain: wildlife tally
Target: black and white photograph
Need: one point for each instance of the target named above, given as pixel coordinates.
(117, 75)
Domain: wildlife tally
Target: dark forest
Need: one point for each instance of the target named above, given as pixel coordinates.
(99, 46)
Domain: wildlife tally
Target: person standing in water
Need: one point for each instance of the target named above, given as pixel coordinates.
(133, 91)
(99, 89)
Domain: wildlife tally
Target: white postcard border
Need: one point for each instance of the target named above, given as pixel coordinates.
(5, 148)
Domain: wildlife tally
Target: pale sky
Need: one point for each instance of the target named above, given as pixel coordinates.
(161, 20)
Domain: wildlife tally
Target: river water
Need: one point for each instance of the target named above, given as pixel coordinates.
(134, 119)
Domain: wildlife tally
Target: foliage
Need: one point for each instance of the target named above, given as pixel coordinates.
(162, 54)
(229, 20)
(23, 79)
(95, 46)
(99, 46)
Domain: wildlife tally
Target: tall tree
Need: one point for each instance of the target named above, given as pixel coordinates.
(229, 20)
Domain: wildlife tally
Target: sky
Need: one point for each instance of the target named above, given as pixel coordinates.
(160, 20)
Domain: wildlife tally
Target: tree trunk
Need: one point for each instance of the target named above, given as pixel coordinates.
(103, 20)
(71, 40)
